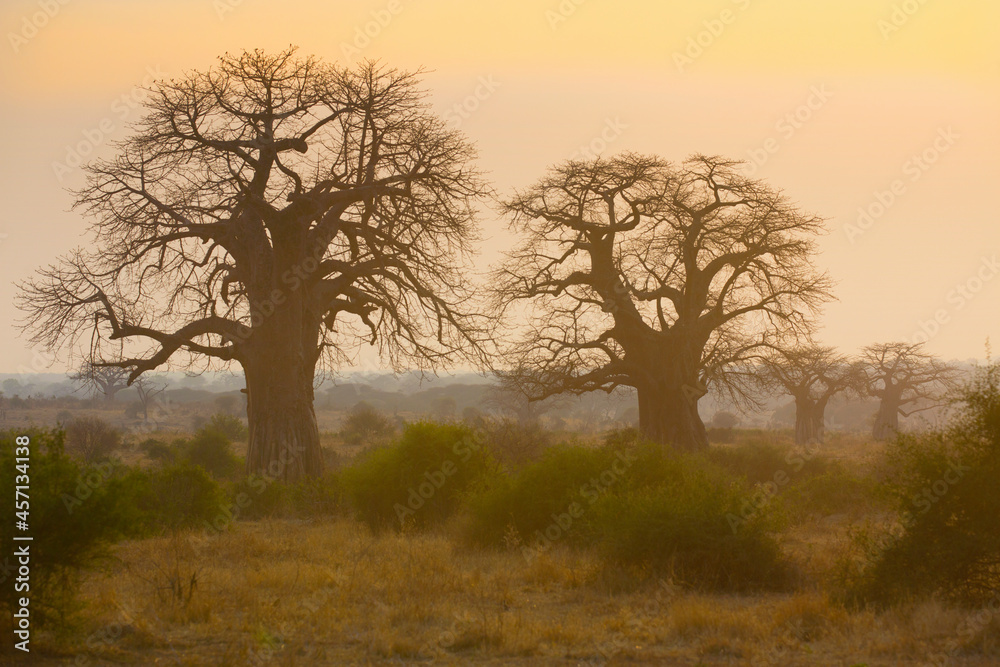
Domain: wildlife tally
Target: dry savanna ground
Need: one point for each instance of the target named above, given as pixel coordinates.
(330, 592)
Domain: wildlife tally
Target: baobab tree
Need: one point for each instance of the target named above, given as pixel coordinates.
(508, 398)
(277, 212)
(106, 381)
(664, 278)
(812, 376)
(906, 380)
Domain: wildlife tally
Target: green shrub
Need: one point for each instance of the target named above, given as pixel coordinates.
(157, 450)
(229, 425)
(212, 450)
(420, 480)
(688, 530)
(945, 489)
(836, 491)
(565, 481)
(513, 442)
(759, 463)
(92, 439)
(258, 498)
(174, 497)
(72, 518)
(319, 497)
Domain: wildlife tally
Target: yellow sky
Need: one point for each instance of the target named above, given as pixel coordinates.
(98, 43)
(713, 76)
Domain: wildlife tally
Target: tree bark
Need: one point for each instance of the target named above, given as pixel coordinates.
(886, 420)
(279, 366)
(810, 424)
(669, 415)
(284, 436)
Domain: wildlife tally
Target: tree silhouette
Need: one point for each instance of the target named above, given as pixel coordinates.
(277, 212)
(660, 277)
(906, 380)
(104, 380)
(147, 390)
(812, 375)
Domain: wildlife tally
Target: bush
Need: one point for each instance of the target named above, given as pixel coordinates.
(759, 463)
(644, 509)
(229, 425)
(72, 520)
(524, 504)
(157, 450)
(212, 450)
(836, 491)
(513, 442)
(171, 498)
(528, 503)
(366, 426)
(689, 530)
(92, 439)
(418, 481)
(945, 488)
(258, 498)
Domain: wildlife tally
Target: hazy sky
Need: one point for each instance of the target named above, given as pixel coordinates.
(884, 106)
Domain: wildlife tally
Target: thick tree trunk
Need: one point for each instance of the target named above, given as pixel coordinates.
(809, 421)
(886, 420)
(670, 416)
(284, 437)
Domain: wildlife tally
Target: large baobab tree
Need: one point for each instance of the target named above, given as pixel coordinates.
(812, 376)
(277, 212)
(664, 278)
(106, 381)
(906, 380)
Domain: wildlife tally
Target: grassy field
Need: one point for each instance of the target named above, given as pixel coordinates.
(295, 593)
(329, 591)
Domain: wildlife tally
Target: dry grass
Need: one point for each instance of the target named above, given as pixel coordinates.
(292, 593)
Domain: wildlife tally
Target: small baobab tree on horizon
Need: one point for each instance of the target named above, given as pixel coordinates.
(277, 212)
(101, 380)
(666, 278)
(906, 380)
(812, 376)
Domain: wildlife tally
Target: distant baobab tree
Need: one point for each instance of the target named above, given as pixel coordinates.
(812, 376)
(277, 212)
(147, 390)
(666, 278)
(906, 380)
(509, 399)
(106, 381)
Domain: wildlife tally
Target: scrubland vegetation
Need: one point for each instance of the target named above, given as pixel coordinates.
(447, 543)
